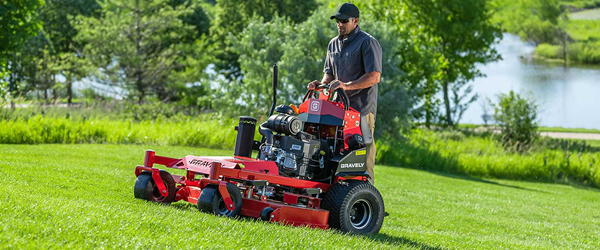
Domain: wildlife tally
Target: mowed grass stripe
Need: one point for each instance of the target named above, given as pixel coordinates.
(81, 196)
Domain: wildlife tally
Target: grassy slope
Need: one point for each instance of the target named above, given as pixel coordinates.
(540, 129)
(583, 28)
(586, 15)
(80, 196)
(562, 161)
(568, 130)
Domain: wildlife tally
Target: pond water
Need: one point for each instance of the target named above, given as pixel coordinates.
(568, 97)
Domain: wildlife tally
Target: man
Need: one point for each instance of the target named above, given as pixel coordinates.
(353, 64)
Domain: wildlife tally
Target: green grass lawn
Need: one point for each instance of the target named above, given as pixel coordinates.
(81, 196)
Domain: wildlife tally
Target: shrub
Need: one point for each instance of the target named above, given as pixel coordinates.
(548, 51)
(591, 4)
(562, 161)
(516, 115)
(584, 52)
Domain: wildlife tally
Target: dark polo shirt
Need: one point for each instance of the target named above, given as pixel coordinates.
(348, 59)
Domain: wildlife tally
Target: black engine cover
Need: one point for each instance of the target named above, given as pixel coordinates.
(304, 150)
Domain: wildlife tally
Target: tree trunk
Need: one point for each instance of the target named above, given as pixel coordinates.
(447, 104)
(12, 87)
(564, 46)
(54, 96)
(46, 78)
(46, 96)
(141, 97)
(428, 113)
(69, 91)
(54, 92)
(138, 52)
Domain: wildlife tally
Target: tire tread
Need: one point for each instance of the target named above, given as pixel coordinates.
(336, 197)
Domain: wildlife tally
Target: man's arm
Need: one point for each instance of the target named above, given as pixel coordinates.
(327, 78)
(367, 80)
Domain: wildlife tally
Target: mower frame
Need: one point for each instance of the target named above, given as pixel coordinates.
(246, 173)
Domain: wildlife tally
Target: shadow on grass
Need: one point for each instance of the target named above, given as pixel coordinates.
(401, 241)
(582, 187)
(381, 237)
(471, 178)
(185, 206)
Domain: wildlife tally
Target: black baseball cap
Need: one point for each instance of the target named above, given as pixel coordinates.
(346, 11)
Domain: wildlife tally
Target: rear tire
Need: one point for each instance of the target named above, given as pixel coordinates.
(145, 188)
(210, 200)
(354, 207)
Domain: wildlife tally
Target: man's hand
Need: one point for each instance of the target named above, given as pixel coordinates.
(313, 85)
(337, 84)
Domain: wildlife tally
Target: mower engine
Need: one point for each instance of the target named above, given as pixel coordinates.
(297, 153)
(304, 145)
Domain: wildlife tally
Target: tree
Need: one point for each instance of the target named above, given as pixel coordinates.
(460, 34)
(261, 45)
(57, 16)
(299, 50)
(139, 44)
(417, 59)
(534, 21)
(232, 16)
(54, 45)
(18, 22)
(198, 18)
(34, 67)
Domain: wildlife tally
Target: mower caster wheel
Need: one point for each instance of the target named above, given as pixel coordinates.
(146, 189)
(265, 214)
(210, 200)
(354, 207)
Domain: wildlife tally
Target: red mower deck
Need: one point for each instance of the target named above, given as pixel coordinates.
(223, 170)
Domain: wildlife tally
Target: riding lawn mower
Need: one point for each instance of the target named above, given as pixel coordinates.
(309, 169)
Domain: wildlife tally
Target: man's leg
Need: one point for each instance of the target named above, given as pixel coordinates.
(371, 155)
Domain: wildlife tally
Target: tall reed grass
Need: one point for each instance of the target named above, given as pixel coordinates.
(483, 155)
(205, 130)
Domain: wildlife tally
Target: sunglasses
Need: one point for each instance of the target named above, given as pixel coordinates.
(342, 20)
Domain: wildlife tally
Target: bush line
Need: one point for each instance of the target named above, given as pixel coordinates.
(202, 131)
(483, 156)
(449, 152)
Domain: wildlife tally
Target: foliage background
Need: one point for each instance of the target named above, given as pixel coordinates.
(178, 72)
